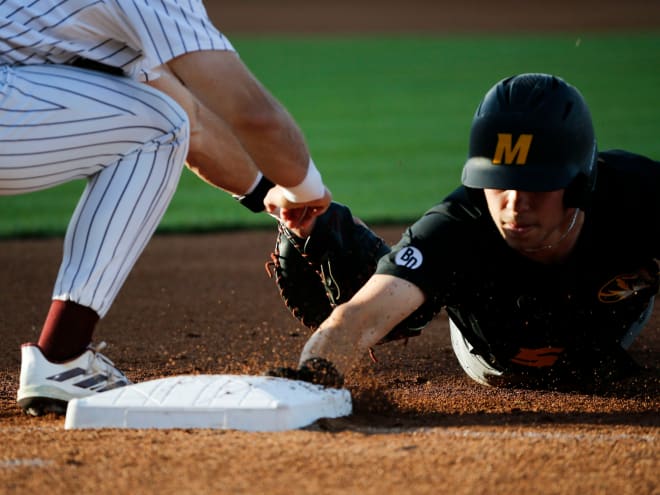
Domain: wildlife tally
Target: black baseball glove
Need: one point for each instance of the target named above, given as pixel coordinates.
(327, 268)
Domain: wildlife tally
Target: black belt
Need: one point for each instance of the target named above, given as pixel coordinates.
(85, 63)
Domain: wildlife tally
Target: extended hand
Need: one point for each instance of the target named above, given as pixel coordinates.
(297, 217)
(316, 370)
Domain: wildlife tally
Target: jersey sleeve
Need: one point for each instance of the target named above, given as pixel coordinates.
(435, 249)
(135, 36)
(156, 32)
(628, 194)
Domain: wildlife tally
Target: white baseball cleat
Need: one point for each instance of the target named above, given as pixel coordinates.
(47, 387)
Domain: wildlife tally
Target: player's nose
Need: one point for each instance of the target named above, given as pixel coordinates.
(518, 201)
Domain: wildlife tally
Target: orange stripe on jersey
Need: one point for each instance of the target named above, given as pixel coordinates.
(538, 358)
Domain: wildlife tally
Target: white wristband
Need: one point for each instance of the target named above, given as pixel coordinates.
(310, 188)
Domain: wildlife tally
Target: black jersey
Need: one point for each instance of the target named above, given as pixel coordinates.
(504, 302)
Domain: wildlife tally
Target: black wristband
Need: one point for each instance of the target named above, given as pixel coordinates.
(254, 201)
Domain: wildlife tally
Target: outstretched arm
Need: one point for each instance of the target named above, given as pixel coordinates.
(355, 326)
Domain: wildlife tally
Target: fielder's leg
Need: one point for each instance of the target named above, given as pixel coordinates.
(130, 141)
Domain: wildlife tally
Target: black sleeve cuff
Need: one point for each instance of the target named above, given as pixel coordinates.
(255, 200)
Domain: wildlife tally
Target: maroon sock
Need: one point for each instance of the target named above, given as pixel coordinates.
(67, 331)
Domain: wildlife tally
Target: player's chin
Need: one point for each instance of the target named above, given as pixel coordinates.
(518, 230)
(521, 239)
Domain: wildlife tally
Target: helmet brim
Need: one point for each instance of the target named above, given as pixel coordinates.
(481, 173)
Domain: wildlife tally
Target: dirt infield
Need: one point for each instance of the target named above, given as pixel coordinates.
(203, 304)
(466, 16)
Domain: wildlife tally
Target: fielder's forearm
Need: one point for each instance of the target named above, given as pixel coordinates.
(215, 154)
(223, 84)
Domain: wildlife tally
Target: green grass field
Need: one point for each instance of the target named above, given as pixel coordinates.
(387, 118)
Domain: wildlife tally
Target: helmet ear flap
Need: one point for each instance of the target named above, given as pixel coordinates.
(476, 196)
(579, 191)
(575, 195)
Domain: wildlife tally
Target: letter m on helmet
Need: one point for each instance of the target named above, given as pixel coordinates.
(506, 153)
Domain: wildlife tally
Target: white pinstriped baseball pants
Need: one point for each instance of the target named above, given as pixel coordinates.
(60, 123)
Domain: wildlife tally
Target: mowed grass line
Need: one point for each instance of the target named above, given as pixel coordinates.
(387, 118)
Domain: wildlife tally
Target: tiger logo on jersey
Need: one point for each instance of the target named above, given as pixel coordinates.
(626, 285)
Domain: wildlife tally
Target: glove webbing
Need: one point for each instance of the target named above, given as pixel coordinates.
(272, 268)
(329, 282)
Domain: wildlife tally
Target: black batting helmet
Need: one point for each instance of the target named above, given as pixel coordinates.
(533, 132)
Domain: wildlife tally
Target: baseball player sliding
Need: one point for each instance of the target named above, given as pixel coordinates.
(545, 258)
(122, 93)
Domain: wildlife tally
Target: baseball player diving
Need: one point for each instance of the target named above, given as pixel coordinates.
(544, 258)
(122, 93)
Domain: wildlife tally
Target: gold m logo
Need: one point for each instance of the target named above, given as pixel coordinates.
(505, 153)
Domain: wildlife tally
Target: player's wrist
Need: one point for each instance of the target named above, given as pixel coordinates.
(320, 371)
(311, 188)
(253, 199)
(314, 370)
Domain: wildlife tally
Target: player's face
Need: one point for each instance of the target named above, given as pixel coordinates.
(529, 221)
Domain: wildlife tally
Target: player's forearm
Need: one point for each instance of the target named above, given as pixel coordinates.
(345, 336)
(276, 144)
(265, 129)
(277, 148)
(217, 157)
(335, 343)
(215, 154)
(355, 326)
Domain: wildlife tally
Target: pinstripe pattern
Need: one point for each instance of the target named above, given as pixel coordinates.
(59, 123)
(135, 35)
(103, 242)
